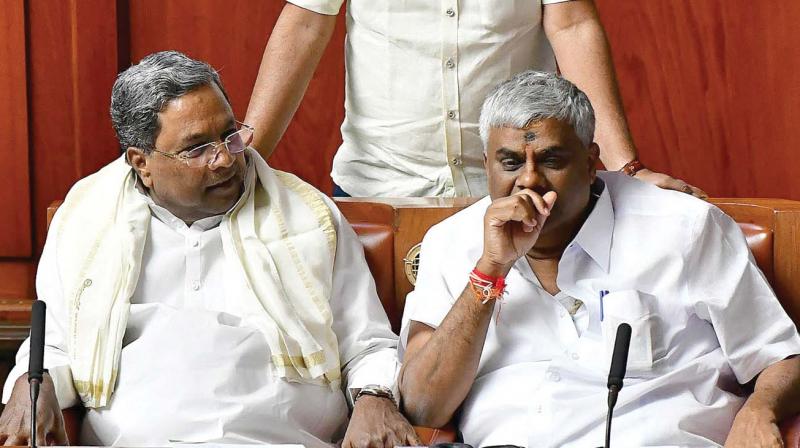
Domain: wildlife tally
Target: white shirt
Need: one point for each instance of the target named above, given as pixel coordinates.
(191, 370)
(676, 268)
(417, 74)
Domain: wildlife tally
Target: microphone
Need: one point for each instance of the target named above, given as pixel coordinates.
(619, 362)
(36, 360)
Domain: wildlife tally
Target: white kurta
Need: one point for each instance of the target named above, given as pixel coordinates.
(676, 268)
(193, 370)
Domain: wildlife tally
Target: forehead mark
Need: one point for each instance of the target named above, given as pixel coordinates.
(529, 136)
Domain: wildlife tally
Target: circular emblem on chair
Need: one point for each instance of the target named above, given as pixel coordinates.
(411, 262)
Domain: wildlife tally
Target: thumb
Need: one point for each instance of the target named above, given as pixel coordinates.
(550, 199)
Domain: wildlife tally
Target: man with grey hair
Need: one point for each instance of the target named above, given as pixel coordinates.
(518, 298)
(197, 295)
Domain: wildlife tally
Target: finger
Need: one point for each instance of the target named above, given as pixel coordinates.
(391, 440)
(60, 436)
(372, 441)
(16, 440)
(670, 183)
(412, 439)
(524, 211)
(698, 193)
(538, 202)
(41, 436)
(517, 207)
(550, 198)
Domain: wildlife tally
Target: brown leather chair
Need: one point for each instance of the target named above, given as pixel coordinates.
(391, 230)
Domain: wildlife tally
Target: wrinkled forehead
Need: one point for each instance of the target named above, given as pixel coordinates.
(542, 133)
(200, 113)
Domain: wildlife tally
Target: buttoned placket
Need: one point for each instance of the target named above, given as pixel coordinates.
(539, 410)
(451, 115)
(193, 290)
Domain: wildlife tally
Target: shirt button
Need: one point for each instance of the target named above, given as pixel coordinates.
(451, 115)
(449, 63)
(196, 285)
(450, 12)
(575, 356)
(554, 377)
(561, 313)
(195, 243)
(456, 161)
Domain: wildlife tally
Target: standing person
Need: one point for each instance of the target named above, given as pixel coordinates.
(417, 72)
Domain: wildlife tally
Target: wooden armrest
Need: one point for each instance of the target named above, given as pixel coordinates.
(73, 417)
(432, 436)
(790, 430)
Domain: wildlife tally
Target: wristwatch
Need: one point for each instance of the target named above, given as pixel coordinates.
(376, 391)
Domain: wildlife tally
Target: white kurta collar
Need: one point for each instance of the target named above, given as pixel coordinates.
(594, 237)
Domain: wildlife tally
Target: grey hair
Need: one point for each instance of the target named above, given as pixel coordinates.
(532, 96)
(144, 89)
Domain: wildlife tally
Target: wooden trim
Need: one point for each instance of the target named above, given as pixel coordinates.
(787, 260)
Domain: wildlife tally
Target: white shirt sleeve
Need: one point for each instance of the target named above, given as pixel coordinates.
(326, 7)
(56, 359)
(731, 292)
(432, 297)
(367, 346)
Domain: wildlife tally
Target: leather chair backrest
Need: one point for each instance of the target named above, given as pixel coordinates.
(374, 224)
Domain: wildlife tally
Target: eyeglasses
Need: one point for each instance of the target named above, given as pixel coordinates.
(206, 154)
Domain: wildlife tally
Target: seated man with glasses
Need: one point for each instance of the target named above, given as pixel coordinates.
(196, 295)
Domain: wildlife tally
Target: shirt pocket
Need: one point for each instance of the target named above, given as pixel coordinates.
(637, 310)
(506, 15)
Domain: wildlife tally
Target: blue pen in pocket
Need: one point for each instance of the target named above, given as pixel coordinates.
(602, 294)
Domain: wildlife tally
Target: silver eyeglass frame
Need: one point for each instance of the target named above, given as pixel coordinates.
(185, 158)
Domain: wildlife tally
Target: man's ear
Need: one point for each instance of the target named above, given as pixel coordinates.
(594, 155)
(138, 160)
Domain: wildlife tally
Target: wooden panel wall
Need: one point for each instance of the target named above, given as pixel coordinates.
(711, 87)
(15, 239)
(712, 90)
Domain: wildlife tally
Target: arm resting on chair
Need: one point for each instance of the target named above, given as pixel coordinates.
(776, 398)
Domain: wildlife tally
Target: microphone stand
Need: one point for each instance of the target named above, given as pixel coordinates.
(35, 383)
(613, 391)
